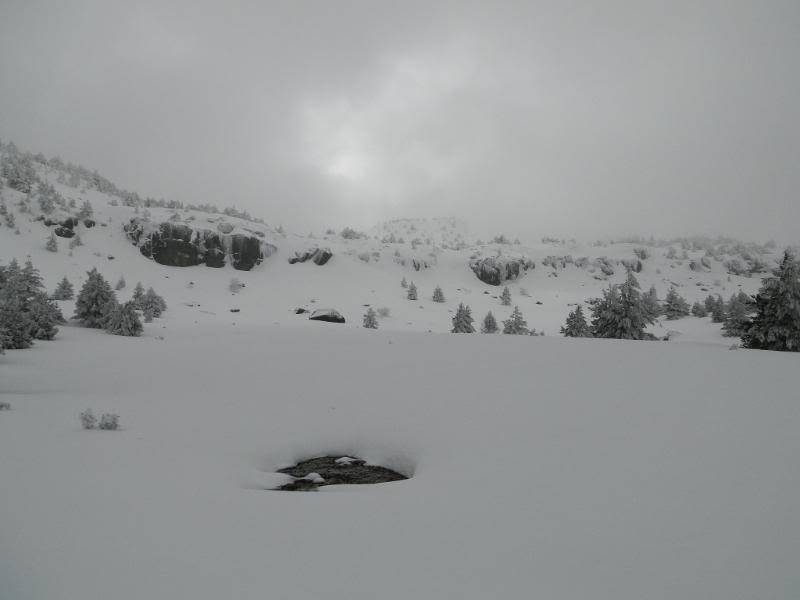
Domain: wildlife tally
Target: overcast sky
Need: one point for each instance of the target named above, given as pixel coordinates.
(564, 118)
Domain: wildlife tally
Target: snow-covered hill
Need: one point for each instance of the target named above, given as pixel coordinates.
(364, 269)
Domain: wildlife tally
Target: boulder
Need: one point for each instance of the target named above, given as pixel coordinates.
(224, 227)
(64, 232)
(319, 256)
(496, 270)
(245, 252)
(88, 223)
(172, 245)
(327, 314)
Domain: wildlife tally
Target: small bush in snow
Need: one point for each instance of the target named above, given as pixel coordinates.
(371, 319)
(88, 420)
(235, 285)
(412, 291)
(438, 294)
(5, 406)
(505, 297)
(384, 311)
(109, 422)
(52, 243)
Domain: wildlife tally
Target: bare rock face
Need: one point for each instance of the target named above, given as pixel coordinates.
(64, 232)
(496, 270)
(319, 256)
(178, 245)
(327, 314)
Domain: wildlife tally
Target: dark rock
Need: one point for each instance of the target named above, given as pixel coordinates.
(172, 245)
(349, 472)
(327, 314)
(245, 252)
(47, 222)
(235, 310)
(319, 256)
(70, 222)
(64, 232)
(495, 271)
(300, 311)
(299, 485)
(89, 223)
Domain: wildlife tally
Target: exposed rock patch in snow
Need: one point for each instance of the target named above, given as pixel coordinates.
(336, 470)
(327, 314)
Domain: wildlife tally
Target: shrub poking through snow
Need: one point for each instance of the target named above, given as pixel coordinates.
(88, 420)
(403, 283)
(505, 297)
(95, 301)
(75, 242)
(438, 294)
(109, 422)
(5, 406)
(52, 243)
(462, 321)
(371, 319)
(412, 291)
(489, 324)
(576, 325)
(124, 320)
(120, 283)
(516, 324)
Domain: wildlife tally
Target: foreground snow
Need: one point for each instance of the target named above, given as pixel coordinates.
(542, 467)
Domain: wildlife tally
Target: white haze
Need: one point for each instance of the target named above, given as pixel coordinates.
(535, 118)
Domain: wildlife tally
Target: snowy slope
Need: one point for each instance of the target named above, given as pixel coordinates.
(541, 468)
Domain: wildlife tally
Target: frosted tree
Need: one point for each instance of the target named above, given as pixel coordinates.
(462, 321)
(138, 294)
(489, 324)
(651, 303)
(718, 310)
(15, 322)
(438, 294)
(576, 325)
(10, 220)
(75, 241)
(148, 315)
(505, 297)
(95, 301)
(620, 313)
(412, 291)
(44, 317)
(371, 319)
(153, 302)
(124, 320)
(776, 324)
(120, 283)
(516, 324)
(64, 290)
(737, 317)
(699, 310)
(675, 306)
(403, 283)
(52, 243)
(86, 211)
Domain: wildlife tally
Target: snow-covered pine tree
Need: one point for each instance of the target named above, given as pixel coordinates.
(515, 324)
(412, 291)
(124, 320)
(505, 297)
(64, 290)
(620, 312)
(709, 303)
(15, 322)
(776, 324)
(52, 243)
(138, 295)
(675, 306)
(576, 325)
(95, 301)
(699, 310)
(651, 303)
(120, 283)
(44, 316)
(489, 323)
(737, 316)
(438, 294)
(462, 321)
(371, 319)
(718, 310)
(153, 302)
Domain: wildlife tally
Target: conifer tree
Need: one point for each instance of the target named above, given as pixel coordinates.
(438, 294)
(699, 310)
(152, 302)
(675, 306)
(515, 324)
(737, 317)
(124, 320)
(15, 322)
(489, 324)
(75, 242)
(403, 283)
(95, 301)
(64, 290)
(86, 211)
(651, 303)
(52, 243)
(576, 325)
(412, 291)
(505, 297)
(371, 319)
(138, 295)
(620, 313)
(718, 310)
(44, 316)
(776, 324)
(120, 283)
(10, 220)
(709, 303)
(462, 321)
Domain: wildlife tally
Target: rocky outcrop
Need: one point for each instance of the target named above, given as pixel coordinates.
(496, 270)
(178, 245)
(327, 314)
(319, 256)
(224, 227)
(65, 232)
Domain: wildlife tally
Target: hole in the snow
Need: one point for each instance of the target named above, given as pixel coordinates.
(335, 470)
